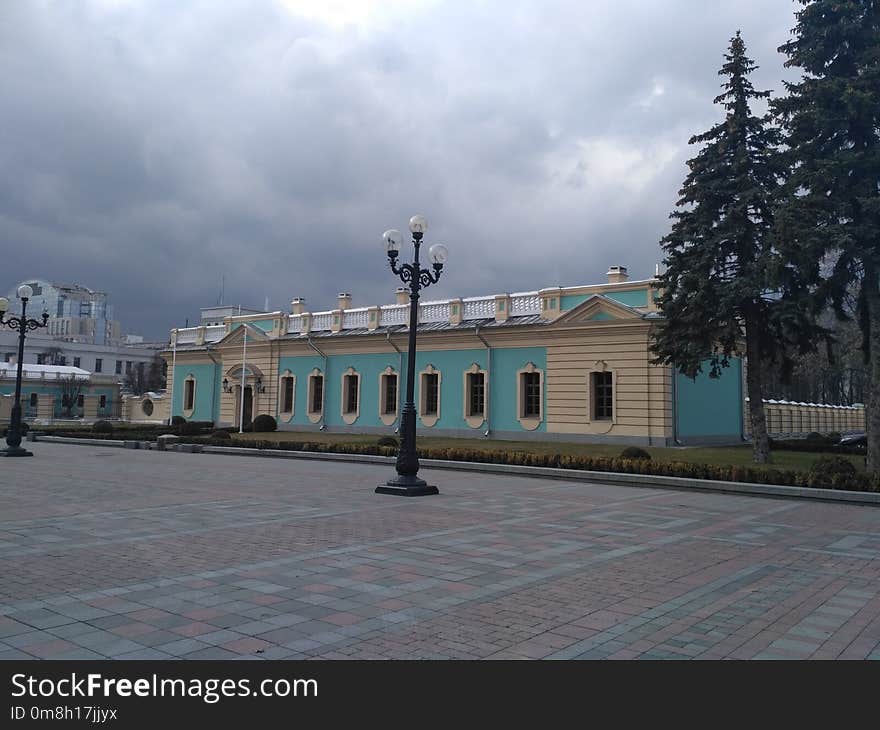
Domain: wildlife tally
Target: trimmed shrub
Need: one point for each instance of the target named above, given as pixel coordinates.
(223, 435)
(634, 452)
(177, 420)
(264, 423)
(815, 436)
(102, 427)
(193, 428)
(387, 441)
(833, 472)
(833, 436)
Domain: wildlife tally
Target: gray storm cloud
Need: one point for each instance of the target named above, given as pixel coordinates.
(149, 148)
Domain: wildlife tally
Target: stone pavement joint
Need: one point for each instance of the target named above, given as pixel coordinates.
(163, 555)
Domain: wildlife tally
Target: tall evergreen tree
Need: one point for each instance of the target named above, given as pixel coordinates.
(831, 202)
(719, 251)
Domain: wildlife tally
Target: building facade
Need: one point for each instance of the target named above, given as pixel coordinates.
(558, 363)
(76, 313)
(53, 393)
(43, 349)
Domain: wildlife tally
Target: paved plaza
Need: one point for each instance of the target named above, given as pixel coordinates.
(107, 552)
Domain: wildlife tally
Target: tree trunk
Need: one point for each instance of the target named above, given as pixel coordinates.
(760, 441)
(872, 412)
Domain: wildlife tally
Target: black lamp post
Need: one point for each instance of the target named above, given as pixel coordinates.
(22, 324)
(407, 482)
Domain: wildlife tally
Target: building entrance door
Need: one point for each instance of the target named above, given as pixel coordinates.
(248, 405)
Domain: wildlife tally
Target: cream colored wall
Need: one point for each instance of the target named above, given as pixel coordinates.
(642, 396)
(262, 356)
(132, 409)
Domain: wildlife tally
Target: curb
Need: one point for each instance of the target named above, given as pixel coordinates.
(647, 481)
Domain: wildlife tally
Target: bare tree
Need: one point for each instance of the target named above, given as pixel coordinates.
(146, 377)
(72, 387)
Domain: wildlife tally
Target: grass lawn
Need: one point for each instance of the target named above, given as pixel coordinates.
(720, 455)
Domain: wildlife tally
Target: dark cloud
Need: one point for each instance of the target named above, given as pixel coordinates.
(148, 148)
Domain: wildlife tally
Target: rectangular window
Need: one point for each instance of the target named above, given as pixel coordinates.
(119, 367)
(389, 394)
(103, 403)
(351, 393)
(431, 389)
(62, 360)
(602, 396)
(287, 395)
(76, 362)
(531, 395)
(99, 364)
(41, 359)
(316, 402)
(80, 399)
(128, 367)
(476, 394)
(33, 400)
(8, 357)
(189, 394)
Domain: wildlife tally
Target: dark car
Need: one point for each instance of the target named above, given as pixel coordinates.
(855, 441)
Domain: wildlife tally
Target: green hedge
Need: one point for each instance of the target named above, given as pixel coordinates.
(786, 477)
(856, 481)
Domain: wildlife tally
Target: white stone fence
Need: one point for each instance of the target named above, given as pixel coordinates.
(790, 418)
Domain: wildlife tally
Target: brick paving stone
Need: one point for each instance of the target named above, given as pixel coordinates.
(162, 556)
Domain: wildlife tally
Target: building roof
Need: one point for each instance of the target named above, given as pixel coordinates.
(522, 308)
(45, 372)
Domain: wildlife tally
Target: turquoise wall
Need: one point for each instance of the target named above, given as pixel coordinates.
(503, 385)
(208, 385)
(450, 363)
(632, 298)
(710, 406)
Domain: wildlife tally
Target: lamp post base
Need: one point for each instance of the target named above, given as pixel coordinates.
(407, 486)
(15, 451)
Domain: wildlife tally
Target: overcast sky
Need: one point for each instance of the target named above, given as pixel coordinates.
(148, 148)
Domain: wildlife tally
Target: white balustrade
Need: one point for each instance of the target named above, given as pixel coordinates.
(478, 308)
(294, 324)
(527, 303)
(215, 332)
(434, 312)
(322, 321)
(353, 319)
(187, 336)
(394, 314)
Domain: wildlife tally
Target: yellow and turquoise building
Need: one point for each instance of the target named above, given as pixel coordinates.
(564, 363)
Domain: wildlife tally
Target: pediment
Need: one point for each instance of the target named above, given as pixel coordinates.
(236, 337)
(598, 308)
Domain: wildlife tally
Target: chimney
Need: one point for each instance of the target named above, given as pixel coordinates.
(297, 305)
(344, 301)
(617, 274)
(402, 295)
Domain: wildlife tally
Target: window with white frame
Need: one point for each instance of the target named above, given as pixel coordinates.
(351, 395)
(189, 394)
(316, 395)
(602, 395)
(287, 393)
(389, 393)
(530, 396)
(476, 394)
(429, 395)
